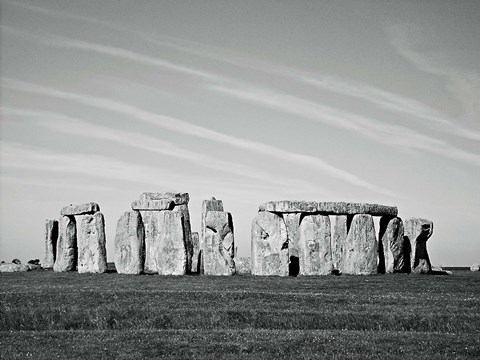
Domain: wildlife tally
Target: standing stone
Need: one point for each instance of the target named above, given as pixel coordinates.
(269, 245)
(417, 232)
(207, 205)
(340, 232)
(315, 245)
(92, 254)
(187, 230)
(66, 258)
(171, 257)
(391, 243)
(151, 221)
(51, 237)
(196, 253)
(130, 244)
(475, 267)
(219, 244)
(360, 248)
(292, 222)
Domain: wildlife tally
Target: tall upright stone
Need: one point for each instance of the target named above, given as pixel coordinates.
(219, 244)
(207, 205)
(177, 202)
(417, 232)
(196, 253)
(315, 245)
(292, 222)
(269, 245)
(340, 231)
(66, 258)
(92, 253)
(130, 244)
(392, 259)
(51, 237)
(151, 224)
(360, 248)
(171, 257)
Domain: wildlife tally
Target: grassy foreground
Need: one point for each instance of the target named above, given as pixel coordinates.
(46, 315)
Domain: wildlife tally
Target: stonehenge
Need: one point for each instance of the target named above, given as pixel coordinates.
(67, 249)
(288, 238)
(294, 238)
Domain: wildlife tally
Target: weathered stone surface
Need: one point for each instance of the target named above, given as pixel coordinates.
(269, 245)
(391, 249)
(219, 244)
(152, 205)
(81, 209)
(51, 236)
(290, 206)
(177, 198)
(196, 253)
(315, 245)
(340, 232)
(66, 258)
(151, 223)
(207, 205)
(416, 233)
(329, 208)
(342, 208)
(292, 222)
(11, 267)
(34, 261)
(243, 265)
(187, 230)
(171, 258)
(16, 261)
(475, 267)
(130, 244)
(92, 254)
(360, 248)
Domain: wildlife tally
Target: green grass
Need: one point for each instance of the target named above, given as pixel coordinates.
(69, 315)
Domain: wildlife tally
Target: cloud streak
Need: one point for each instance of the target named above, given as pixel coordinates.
(367, 127)
(184, 127)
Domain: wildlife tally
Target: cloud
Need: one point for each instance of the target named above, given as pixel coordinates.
(187, 128)
(381, 132)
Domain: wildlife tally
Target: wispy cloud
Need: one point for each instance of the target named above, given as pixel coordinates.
(187, 128)
(378, 131)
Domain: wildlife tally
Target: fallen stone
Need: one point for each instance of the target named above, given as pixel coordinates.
(66, 257)
(129, 244)
(12, 267)
(16, 261)
(34, 262)
(34, 267)
(82, 209)
(153, 205)
(219, 244)
(416, 233)
(171, 257)
(475, 267)
(243, 265)
(51, 237)
(176, 198)
(92, 254)
(196, 253)
(269, 245)
(290, 206)
(315, 245)
(391, 249)
(360, 248)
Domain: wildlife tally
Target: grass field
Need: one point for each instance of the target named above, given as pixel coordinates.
(45, 315)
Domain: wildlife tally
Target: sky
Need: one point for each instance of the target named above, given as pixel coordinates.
(246, 101)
